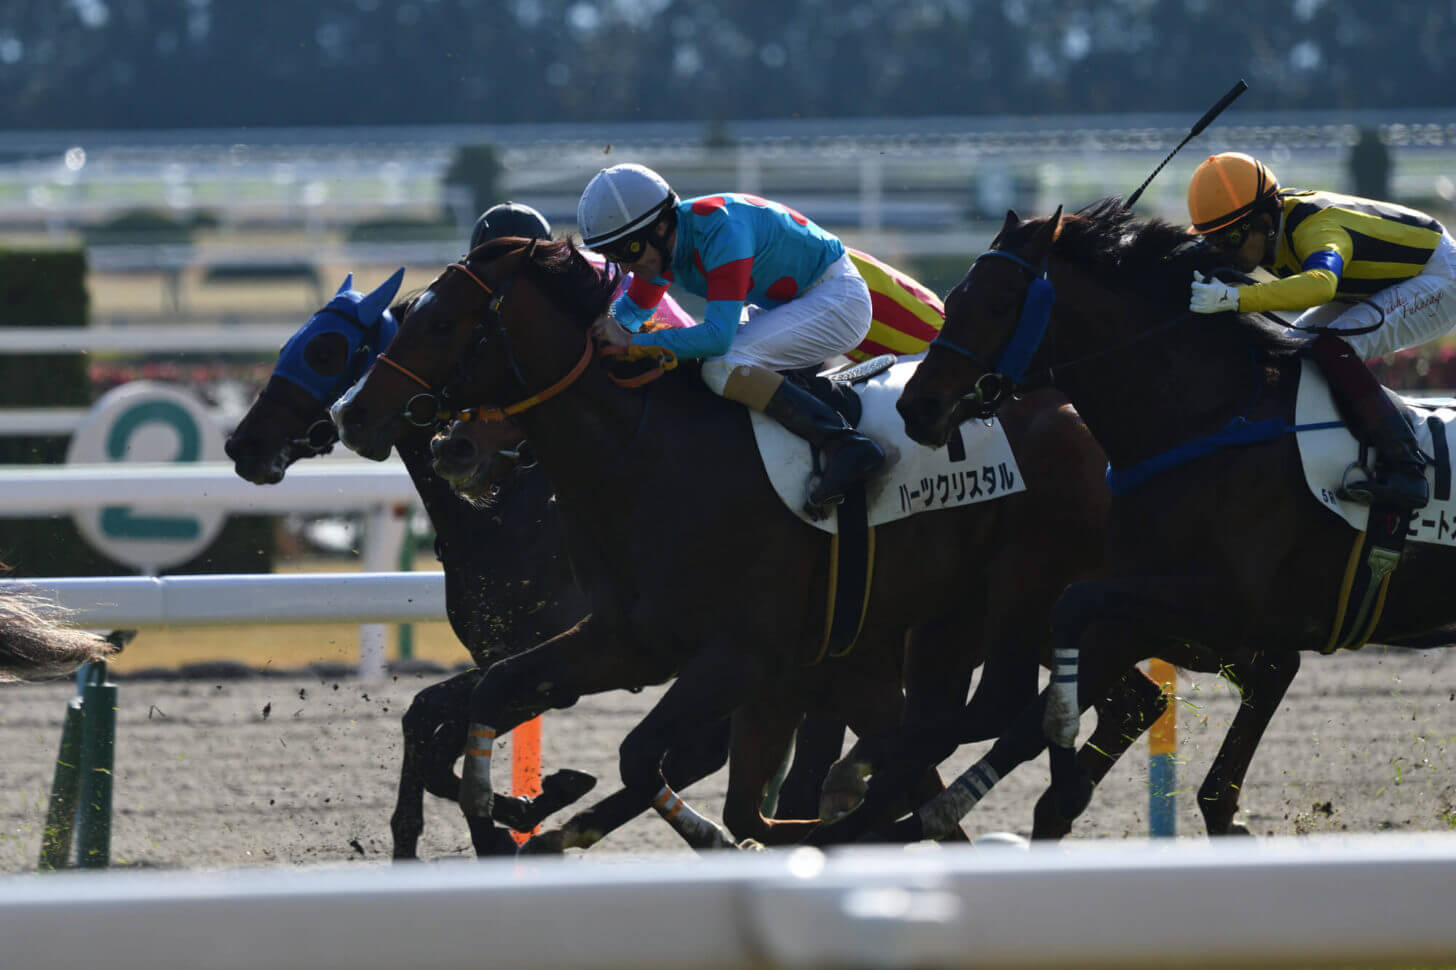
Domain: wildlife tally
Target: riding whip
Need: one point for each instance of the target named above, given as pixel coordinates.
(1193, 132)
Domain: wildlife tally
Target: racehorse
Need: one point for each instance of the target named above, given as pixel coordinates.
(36, 642)
(692, 564)
(502, 550)
(1227, 550)
(507, 583)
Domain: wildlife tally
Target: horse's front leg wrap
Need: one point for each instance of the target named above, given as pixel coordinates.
(476, 796)
(1063, 713)
(941, 816)
(699, 832)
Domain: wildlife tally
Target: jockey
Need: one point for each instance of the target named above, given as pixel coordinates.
(1324, 245)
(518, 219)
(782, 294)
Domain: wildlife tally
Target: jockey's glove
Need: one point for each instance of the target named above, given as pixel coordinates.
(1212, 296)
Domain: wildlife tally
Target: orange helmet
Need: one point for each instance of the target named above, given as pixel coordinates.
(1226, 188)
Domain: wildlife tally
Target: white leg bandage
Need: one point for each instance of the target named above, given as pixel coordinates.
(942, 815)
(476, 796)
(699, 831)
(1059, 724)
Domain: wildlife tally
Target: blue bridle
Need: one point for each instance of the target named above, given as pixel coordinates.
(1008, 370)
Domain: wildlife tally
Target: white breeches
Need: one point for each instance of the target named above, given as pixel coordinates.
(830, 317)
(1417, 310)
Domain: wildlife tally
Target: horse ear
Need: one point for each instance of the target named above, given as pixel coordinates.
(1046, 234)
(377, 302)
(347, 285)
(1012, 221)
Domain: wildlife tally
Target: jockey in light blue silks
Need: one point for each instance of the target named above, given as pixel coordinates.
(782, 294)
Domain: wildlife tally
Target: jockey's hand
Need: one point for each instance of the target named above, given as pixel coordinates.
(1212, 296)
(607, 332)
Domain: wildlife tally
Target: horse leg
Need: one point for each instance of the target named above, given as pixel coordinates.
(1133, 706)
(817, 745)
(1262, 684)
(1143, 609)
(558, 789)
(1023, 740)
(582, 660)
(692, 758)
(713, 683)
(939, 662)
(422, 725)
(762, 732)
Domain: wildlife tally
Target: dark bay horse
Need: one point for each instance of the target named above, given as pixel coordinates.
(693, 567)
(503, 553)
(1228, 552)
(507, 582)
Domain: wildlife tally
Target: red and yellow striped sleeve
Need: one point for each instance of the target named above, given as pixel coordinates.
(906, 315)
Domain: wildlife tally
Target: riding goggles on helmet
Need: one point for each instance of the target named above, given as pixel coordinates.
(627, 250)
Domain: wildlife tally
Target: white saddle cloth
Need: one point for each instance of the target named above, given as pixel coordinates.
(1327, 453)
(915, 478)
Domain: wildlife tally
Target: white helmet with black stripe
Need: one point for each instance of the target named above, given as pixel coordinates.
(618, 203)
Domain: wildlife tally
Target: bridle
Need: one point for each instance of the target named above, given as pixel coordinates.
(1007, 373)
(432, 400)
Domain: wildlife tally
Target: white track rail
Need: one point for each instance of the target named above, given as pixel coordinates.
(1370, 902)
(183, 601)
(384, 489)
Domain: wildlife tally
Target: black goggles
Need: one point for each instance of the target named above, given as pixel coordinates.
(1230, 237)
(628, 249)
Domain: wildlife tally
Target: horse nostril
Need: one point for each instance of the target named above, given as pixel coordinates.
(458, 450)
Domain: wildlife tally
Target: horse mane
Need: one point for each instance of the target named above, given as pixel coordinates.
(560, 271)
(1154, 260)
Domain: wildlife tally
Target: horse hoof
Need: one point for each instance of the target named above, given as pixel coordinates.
(547, 843)
(1000, 840)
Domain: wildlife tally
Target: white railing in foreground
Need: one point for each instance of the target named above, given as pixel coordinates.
(1367, 901)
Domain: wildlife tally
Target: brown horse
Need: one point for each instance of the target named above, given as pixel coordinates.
(507, 583)
(1227, 550)
(693, 565)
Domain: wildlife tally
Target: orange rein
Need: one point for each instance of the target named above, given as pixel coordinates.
(666, 361)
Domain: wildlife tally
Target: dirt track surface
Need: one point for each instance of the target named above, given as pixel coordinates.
(204, 779)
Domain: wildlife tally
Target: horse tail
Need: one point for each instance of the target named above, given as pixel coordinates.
(35, 640)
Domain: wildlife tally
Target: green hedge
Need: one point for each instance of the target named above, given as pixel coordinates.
(48, 288)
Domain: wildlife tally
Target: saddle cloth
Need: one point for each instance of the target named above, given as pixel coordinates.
(1327, 453)
(976, 466)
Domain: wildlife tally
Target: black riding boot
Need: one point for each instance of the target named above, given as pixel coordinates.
(1399, 477)
(847, 457)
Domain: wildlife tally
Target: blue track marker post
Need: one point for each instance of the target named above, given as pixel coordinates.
(1162, 750)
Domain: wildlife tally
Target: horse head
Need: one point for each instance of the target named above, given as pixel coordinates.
(995, 319)
(485, 333)
(290, 418)
(477, 458)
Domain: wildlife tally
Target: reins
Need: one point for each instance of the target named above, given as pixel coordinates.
(663, 358)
